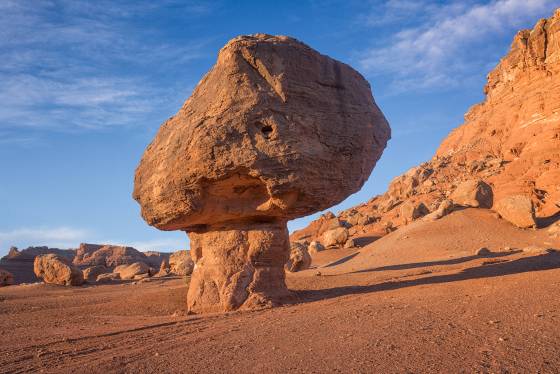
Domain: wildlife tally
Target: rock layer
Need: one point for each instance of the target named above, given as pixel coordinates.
(273, 132)
(510, 142)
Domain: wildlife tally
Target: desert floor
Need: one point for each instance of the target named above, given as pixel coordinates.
(417, 300)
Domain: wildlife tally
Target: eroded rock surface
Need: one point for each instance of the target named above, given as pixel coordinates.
(6, 278)
(511, 141)
(273, 132)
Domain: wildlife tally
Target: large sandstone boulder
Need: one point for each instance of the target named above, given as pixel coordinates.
(132, 270)
(335, 237)
(56, 269)
(299, 258)
(273, 132)
(91, 273)
(181, 263)
(6, 278)
(473, 193)
(517, 209)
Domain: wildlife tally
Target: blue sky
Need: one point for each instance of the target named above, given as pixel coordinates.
(85, 86)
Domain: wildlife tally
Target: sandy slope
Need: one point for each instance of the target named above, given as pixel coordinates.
(440, 310)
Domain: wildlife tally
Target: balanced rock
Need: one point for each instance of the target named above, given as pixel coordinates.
(474, 194)
(517, 209)
(130, 271)
(6, 278)
(274, 131)
(299, 258)
(56, 269)
(91, 273)
(181, 263)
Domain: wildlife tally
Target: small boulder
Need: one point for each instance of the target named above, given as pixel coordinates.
(6, 278)
(517, 209)
(108, 278)
(336, 237)
(474, 194)
(444, 208)
(56, 269)
(299, 258)
(181, 263)
(411, 211)
(130, 271)
(91, 273)
(349, 243)
(483, 252)
(315, 247)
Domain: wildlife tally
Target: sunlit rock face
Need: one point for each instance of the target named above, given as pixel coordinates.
(274, 131)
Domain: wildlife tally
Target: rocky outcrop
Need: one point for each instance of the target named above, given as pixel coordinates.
(510, 141)
(6, 278)
(273, 132)
(56, 269)
(335, 237)
(299, 258)
(107, 255)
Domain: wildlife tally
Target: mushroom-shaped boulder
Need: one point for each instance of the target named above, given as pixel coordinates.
(273, 132)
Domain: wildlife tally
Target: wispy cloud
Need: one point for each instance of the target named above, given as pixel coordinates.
(60, 237)
(74, 65)
(451, 41)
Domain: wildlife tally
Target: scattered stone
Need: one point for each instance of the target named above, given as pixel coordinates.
(411, 211)
(483, 252)
(130, 271)
(299, 258)
(91, 273)
(108, 278)
(349, 243)
(518, 210)
(335, 238)
(473, 193)
(6, 278)
(315, 247)
(56, 269)
(444, 208)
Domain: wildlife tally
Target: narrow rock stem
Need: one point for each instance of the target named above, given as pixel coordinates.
(239, 265)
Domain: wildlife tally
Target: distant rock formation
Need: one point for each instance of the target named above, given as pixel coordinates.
(107, 255)
(273, 132)
(508, 146)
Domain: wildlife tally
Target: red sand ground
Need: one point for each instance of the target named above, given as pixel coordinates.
(417, 300)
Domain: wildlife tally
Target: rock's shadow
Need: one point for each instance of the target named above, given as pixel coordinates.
(453, 261)
(547, 221)
(527, 264)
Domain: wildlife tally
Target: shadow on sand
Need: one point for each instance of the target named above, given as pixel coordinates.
(453, 261)
(541, 262)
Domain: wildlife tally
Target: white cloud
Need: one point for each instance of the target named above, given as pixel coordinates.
(450, 42)
(58, 237)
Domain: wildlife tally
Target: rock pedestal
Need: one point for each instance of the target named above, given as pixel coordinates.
(273, 132)
(238, 266)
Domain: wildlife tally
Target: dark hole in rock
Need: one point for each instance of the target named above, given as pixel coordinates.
(266, 130)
